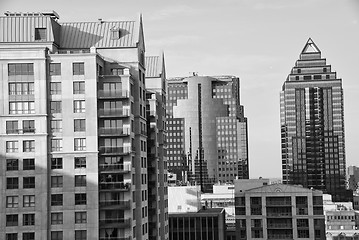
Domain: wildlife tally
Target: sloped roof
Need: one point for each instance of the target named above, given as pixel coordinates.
(281, 188)
(98, 34)
(153, 66)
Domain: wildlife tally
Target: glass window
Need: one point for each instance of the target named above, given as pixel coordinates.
(26, 107)
(55, 106)
(56, 125)
(78, 68)
(80, 217)
(55, 88)
(12, 201)
(55, 69)
(79, 106)
(28, 126)
(28, 219)
(56, 235)
(79, 87)
(56, 145)
(12, 146)
(117, 71)
(56, 200)
(29, 201)
(12, 164)
(28, 236)
(28, 146)
(11, 236)
(80, 162)
(29, 182)
(80, 144)
(12, 220)
(21, 88)
(80, 198)
(79, 125)
(56, 181)
(40, 34)
(80, 181)
(80, 235)
(56, 163)
(20, 69)
(12, 183)
(28, 164)
(56, 218)
(12, 127)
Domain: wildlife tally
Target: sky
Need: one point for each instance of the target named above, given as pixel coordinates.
(255, 40)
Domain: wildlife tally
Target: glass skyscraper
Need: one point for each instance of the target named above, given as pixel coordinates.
(312, 125)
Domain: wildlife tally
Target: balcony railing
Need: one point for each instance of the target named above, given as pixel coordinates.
(115, 112)
(115, 167)
(114, 94)
(115, 186)
(114, 150)
(120, 203)
(118, 221)
(114, 131)
(20, 131)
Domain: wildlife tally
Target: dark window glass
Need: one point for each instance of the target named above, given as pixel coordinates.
(80, 181)
(78, 69)
(56, 181)
(56, 218)
(40, 34)
(55, 69)
(29, 164)
(56, 200)
(11, 236)
(80, 198)
(79, 87)
(80, 162)
(79, 125)
(80, 217)
(56, 235)
(20, 69)
(56, 163)
(28, 236)
(29, 182)
(12, 183)
(12, 164)
(12, 220)
(28, 126)
(28, 219)
(12, 127)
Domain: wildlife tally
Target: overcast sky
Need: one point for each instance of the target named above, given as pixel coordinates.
(256, 40)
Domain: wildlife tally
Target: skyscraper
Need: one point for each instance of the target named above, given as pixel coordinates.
(73, 129)
(207, 129)
(312, 125)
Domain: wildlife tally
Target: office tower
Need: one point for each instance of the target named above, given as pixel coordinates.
(207, 130)
(279, 211)
(312, 125)
(353, 178)
(156, 148)
(73, 110)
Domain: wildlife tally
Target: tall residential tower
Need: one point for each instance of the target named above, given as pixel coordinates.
(312, 125)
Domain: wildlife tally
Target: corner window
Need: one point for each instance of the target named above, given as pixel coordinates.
(40, 34)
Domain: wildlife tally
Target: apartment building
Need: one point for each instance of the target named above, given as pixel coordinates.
(73, 129)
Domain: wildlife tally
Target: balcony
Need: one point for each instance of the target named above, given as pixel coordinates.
(113, 94)
(115, 204)
(115, 186)
(115, 167)
(105, 131)
(116, 222)
(114, 112)
(114, 150)
(20, 131)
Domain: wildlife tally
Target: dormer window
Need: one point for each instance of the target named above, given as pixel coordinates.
(115, 33)
(40, 34)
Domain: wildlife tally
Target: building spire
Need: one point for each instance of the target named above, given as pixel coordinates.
(310, 47)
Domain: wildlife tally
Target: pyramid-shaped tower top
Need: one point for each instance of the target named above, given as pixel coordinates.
(310, 47)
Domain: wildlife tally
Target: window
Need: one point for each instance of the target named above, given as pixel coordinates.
(28, 126)
(303, 233)
(56, 235)
(56, 163)
(80, 181)
(29, 201)
(79, 106)
(78, 68)
(80, 144)
(28, 219)
(56, 181)
(12, 220)
(56, 145)
(79, 125)
(12, 146)
(55, 88)
(117, 71)
(11, 236)
(28, 146)
(12, 183)
(12, 127)
(80, 235)
(80, 217)
(80, 162)
(25, 107)
(80, 198)
(21, 88)
(55, 69)
(56, 218)
(28, 236)
(28, 164)
(20, 69)
(55, 106)
(79, 87)
(56, 200)
(12, 201)
(29, 182)
(56, 125)
(40, 34)
(12, 164)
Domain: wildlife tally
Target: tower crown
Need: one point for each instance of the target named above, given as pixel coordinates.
(310, 47)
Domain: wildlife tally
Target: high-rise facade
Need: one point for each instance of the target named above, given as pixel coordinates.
(312, 126)
(207, 129)
(73, 129)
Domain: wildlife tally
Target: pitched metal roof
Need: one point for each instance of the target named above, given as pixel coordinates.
(98, 34)
(153, 66)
